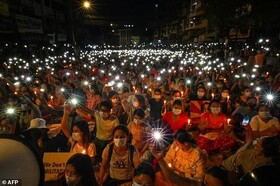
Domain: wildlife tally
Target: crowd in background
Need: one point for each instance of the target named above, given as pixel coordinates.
(122, 105)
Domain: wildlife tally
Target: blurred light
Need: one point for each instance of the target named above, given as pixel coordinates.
(269, 97)
(10, 111)
(86, 4)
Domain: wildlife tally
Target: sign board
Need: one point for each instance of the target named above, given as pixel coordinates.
(28, 24)
(239, 33)
(197, 107)
(55, 163)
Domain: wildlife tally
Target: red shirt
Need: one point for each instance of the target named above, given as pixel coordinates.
(181, 123)
(214, 123)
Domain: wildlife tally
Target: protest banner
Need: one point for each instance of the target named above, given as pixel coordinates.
(54, 163)
(197, 107)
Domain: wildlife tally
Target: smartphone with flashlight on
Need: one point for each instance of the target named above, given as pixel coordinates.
(157, 138)
(245, 121)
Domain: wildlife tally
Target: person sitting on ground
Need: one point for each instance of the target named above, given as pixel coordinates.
(247, 110)
(255, 153)
(120, 157)
(143, 175)
(215, 130)
(264, 124)
(214, 175)
(176, 119)
(140, 130)
(184, 157)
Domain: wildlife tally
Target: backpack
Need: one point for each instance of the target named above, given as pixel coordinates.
(131, 149)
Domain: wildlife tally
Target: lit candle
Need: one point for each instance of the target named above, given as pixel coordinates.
(164, 102)
(169, 165)
(51, 98)
(228, 120)
(35, 93)
(16, 93)
(182, 93)
(84, 151)
(189, 121)
(227, 97)
(213, 95)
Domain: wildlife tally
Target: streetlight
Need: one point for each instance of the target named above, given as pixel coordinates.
(86, 4)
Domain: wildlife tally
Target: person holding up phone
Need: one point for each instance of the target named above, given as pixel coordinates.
(245, 121)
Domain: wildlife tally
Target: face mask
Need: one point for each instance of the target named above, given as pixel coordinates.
(24, 106)
(157, 96)
(11, 103)
(252, 105)
(255, 142)
(158, 84)
(135, 104)
(73, 180)
(224, 95)
(219, 86)
(176, 111)
(135, 184)
(176, 98)
(200, 94)
(215, 110)
(38, 102)
(247, 94)
(104, 114)
(76, 136)
(114, 100)
(4, 130)
(137, 121)
(264, 115)
(120, 142)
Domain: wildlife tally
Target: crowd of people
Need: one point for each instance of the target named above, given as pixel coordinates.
(146, 115)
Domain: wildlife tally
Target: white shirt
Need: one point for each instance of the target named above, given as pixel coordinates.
(258, 125)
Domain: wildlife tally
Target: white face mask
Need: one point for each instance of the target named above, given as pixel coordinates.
(176, 111)
(176, 98)
(73, 180)
(224, 95)
(247, 94)
(264, 115)
(24, 106)
(157, 96)
(255, 142)
(137, 121)
(135, 184)
(200, 94)
(120, 142)
(104, 114)
(215, 110)
(219, 86)
(76, 136)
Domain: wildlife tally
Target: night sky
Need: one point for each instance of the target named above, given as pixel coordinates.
(130, 11)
